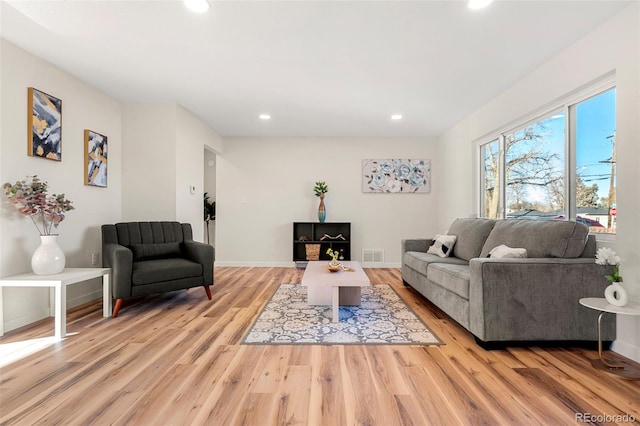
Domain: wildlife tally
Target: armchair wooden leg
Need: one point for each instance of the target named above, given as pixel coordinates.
(116, 307)
(208, 290)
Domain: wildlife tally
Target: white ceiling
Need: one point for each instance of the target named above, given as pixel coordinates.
(320, 68)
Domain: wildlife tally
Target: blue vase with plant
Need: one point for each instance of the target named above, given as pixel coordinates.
(320, 189)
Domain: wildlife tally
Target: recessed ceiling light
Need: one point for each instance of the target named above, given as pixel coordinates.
(478, 4)
(396, 117)
(264, 117)
(198, 6)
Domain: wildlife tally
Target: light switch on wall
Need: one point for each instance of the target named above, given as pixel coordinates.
(192, 189)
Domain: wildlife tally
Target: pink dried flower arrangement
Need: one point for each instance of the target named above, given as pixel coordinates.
(31, 199)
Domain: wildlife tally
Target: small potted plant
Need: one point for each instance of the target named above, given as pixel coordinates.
(209, 213)
(320, 189)
(334, 265)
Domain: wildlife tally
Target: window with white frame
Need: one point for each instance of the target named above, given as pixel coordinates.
(524, 170)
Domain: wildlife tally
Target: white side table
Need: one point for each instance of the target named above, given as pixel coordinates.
(620, 369)
(58, 284)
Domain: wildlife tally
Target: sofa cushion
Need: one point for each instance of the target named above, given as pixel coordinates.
(154, 271)
(418, 261)
(155, 251)
(454, 278)
(472, 234)
(541, 238)
(442, 245)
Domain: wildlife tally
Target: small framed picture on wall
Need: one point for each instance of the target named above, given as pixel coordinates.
(44, 125)
(95, 159)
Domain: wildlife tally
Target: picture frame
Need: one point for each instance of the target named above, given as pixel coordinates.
(44, 125)
(400, 176)
(95, 159)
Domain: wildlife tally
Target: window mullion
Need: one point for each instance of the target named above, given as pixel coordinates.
(502, 178)
(571, 163)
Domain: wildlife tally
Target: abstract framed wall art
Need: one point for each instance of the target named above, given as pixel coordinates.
(44, 125)
(396, 176)
(95, 159)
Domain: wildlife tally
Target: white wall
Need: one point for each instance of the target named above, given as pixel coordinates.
(192, 136)
(149, 163)
(614, 46)
(162, 159)
(83, 107)
(263, 185)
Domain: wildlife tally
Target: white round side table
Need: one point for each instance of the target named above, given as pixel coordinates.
(620, 369)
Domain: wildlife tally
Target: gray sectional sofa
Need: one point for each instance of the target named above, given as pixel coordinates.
(510, 299)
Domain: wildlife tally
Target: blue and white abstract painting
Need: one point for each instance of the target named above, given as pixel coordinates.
(95, 162)
(45, 139)
(396, 176)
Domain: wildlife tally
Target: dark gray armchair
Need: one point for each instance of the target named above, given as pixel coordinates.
(154, 257)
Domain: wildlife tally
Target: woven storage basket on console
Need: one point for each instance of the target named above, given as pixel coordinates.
(312, 251)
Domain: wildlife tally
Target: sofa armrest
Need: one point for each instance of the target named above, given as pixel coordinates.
(416, 244)
(120, 260)
(535, 299)
(204, 254)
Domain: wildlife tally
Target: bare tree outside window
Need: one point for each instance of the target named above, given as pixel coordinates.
(491, 184)
(534, 170)
(534, 167)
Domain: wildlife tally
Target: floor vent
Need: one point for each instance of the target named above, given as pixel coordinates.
(373, 256)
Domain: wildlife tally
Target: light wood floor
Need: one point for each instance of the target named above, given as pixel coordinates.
(175, 359)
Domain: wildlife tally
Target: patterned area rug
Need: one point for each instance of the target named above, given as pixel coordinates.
(382, 318)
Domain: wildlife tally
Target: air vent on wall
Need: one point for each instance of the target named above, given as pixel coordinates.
(372, 256)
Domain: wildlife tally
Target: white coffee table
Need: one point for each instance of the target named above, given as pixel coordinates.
(334, 288)
(58, 284)
(620, 369)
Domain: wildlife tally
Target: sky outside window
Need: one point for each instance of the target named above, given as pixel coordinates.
(595, 131)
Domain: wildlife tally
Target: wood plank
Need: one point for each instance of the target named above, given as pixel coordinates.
(293, 396)
(230, 392)
(326, 397)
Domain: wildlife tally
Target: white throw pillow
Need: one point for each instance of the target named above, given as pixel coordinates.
(502, 252)
(442, 245)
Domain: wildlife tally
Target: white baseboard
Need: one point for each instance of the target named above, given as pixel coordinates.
(32, 316)
(292, 264)
(27, 319)
(84, 298)
(626, 349)
(241, 264)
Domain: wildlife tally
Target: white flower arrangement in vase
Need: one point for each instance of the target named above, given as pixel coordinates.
(615, 293)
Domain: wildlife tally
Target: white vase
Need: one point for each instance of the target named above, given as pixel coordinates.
(616, 294)
(48, 259)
